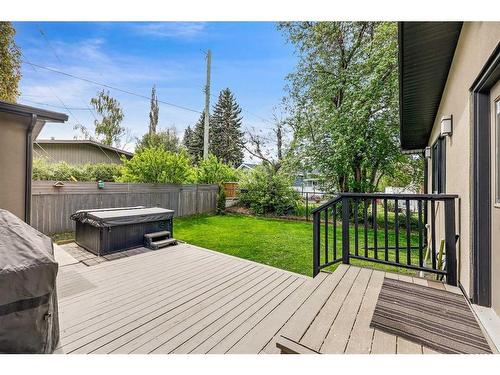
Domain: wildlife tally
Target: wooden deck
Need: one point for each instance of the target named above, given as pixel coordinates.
(336, 318)
(179, 299)
(185, 299)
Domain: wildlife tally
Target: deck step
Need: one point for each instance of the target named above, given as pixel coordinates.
(155, 245)
(289, 346)
(163, 233)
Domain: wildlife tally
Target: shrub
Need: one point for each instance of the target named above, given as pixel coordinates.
(62, 171)
(102, 172)
(41, 170)
(213, 171)
(221, 201)
(268, 192)
(156, 165)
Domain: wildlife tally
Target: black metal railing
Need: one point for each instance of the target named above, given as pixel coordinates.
(391, 229)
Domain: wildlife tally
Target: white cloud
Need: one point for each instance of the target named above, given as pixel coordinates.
(90, 59)
(182, 30)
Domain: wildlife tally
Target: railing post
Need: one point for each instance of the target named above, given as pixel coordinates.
(345, 230)
(450, 239)
(316, 239)
(307, 206)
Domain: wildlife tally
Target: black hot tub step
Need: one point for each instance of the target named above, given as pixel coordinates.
(163, 233)
(162, 243)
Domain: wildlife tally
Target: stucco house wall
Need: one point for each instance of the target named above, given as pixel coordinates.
(13, 164)
(476, 43)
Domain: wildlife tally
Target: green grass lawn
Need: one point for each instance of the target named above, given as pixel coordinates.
(280, 243)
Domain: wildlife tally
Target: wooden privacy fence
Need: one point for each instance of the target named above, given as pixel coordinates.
(52, 205)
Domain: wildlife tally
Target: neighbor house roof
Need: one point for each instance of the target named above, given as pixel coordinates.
(426, 52)
(84, 141)
(247, 165)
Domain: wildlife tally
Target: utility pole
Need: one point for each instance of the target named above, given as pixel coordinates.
(207, 107)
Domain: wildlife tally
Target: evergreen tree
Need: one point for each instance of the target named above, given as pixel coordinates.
(193, 139)
(226, 137)
(188, 135)
(153, 112)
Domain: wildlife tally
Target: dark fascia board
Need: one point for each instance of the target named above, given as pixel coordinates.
(84, 141)
(426, 51)
(24, 110)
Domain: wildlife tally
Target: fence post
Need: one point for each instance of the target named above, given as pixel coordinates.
(450, 239)
(345, 230)
(316, 235)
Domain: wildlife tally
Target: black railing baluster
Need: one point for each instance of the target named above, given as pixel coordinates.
(433, 234)
(420, 235)
(335, 231)
(316, 237)
(386, 234)
(408, 232)
(450, 239)
(356, 236)
(350, 205)
(396, 228)
(365, 222)
(326, 235)
(375, 225)
(345, 230)
(307, 206)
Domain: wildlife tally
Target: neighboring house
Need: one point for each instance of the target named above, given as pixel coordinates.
(450, 107)
(78, 152)
(19, 126)
(401, 190)
(246, 166)
(308, 182)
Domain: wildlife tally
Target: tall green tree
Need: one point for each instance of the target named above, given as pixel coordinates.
(10, 63)
(108, 129)
(166, 139)
(153, 112)
(226, 137)
(186, 139)
(193, 139)
(344, 95)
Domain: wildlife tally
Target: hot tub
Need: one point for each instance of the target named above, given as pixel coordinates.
(103, 231)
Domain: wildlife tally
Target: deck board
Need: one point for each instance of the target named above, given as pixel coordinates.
(172, 300)
(185, 299)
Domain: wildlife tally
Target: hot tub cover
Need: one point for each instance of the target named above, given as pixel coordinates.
(111, 217)
(28, 301)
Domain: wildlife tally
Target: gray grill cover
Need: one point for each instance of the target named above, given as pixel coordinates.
(111, 217)
(28, 301)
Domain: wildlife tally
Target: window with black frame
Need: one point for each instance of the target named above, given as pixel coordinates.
(439, 166)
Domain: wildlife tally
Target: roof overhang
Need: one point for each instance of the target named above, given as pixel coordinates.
(24, 111)
(426, 52)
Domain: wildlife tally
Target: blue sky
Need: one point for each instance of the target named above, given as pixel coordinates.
(251, 58)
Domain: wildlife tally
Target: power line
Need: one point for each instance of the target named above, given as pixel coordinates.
(55, 106)
(107, 86)
(42, 33)
(46, 38)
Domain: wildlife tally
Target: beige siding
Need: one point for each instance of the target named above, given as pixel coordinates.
(12, 163)
(476, 43)
(75, 153)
